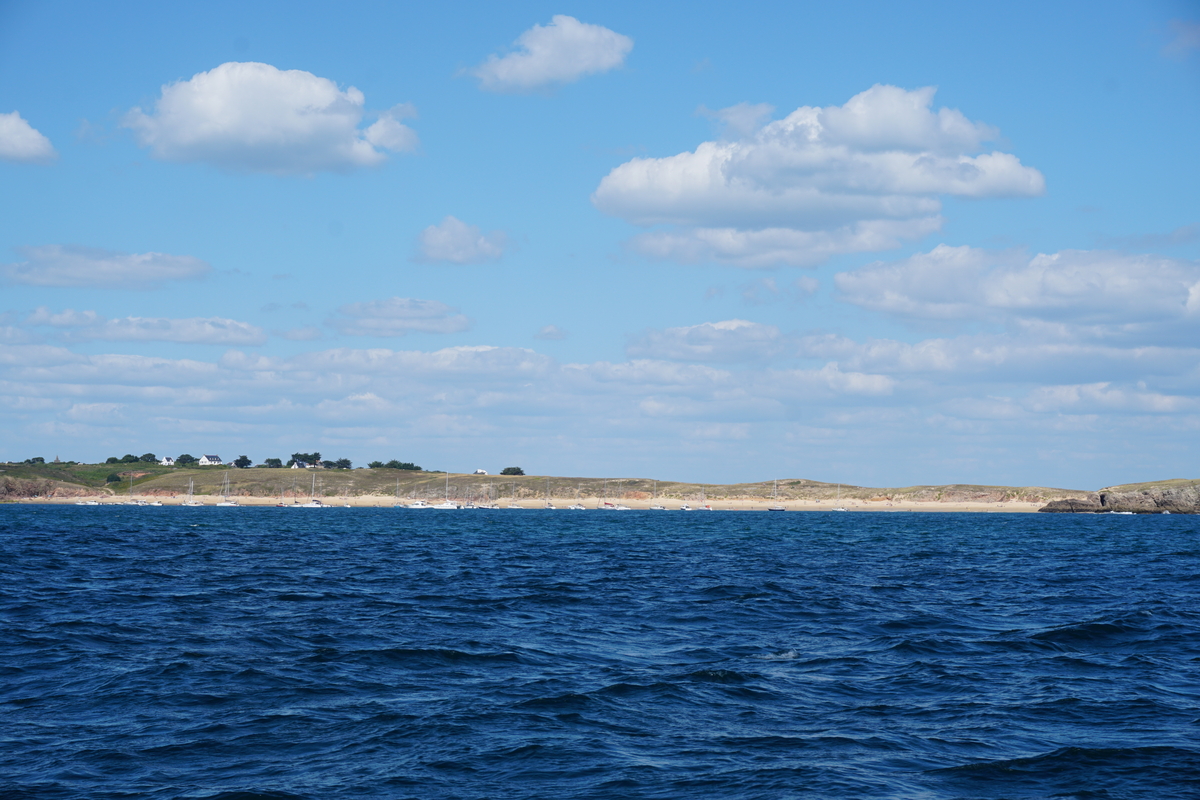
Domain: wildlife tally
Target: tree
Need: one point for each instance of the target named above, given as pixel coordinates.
(394, 464)
(512, 471)
(375, 465)
(149, 458)
(114, 477)
(312, 459)
(273, 463)
(112, 460)
(35, 460)
(341, 463)
(129, 458)
(186, 459)
(241, 462)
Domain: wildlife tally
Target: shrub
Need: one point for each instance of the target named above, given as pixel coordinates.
(512, 471)
(186, 459)
(114, 477)
(112, 460)
(149, 458)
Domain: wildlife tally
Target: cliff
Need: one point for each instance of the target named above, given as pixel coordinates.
(1175, 497)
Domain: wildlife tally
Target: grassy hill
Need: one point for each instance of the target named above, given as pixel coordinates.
(18, 481)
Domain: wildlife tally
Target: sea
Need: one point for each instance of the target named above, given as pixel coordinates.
(278, 653)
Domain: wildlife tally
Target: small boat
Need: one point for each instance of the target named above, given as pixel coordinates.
(575, 507)
(191, 501)
(775, 497)
(87, 503)
(685, 507)
(708, 508)
(416, 504)
(446, 506)
(658, 508)
(225, 494)
(548, 505)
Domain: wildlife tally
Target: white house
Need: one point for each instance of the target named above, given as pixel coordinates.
(481, 472)
(167, 461)
(210, 461)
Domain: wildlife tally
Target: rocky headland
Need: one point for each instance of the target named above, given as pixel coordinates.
(1173, 497)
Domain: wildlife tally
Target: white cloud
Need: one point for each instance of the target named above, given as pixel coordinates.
(398, 316)
(550, 333)
(72, 265)
(89, 326)
(733, 340)
(851, 178)
(561, 52)
(774, 246)
(456, 242)
(1092, 293)
(21, 142)
(256, 118)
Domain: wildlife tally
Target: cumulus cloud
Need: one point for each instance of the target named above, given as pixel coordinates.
(253, 117)
(397, 316)
(88, 326)
(561, 52)
(73, 265)
(853, 178)
(21, 142)
(1093, 293)
(456, 242)
(733, 340)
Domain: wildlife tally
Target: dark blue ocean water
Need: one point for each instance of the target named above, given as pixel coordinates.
(346, 653)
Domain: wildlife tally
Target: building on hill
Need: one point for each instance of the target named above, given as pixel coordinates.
(210, 461)
(167, 461)
(481, 472)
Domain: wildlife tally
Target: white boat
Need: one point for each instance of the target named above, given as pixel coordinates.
(416, 504)
(685, 507)
(191, 501)
(446, 506)
(576, 507)
(708, 508)
(87, 503)
(658, 508)
(839, 497)
(620, 507)
(313, 502)
(775, 497)
(225, 494)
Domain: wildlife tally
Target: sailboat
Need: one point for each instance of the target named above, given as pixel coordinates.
(447, 505)
(313, 502)
(225, 494)
(775, 496)
(191, 500)
(657, 506)
(839, 499)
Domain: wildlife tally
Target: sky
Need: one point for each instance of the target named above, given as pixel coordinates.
(872, 243)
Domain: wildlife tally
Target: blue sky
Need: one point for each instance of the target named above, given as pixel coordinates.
(862, 242)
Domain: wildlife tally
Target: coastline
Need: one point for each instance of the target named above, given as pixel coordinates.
(589, 503)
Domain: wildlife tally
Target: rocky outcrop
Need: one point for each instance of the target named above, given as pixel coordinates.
(1182, 497)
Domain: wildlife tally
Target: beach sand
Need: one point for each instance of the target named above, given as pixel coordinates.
(592, 503)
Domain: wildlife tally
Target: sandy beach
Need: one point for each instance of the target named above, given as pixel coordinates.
(589, 503)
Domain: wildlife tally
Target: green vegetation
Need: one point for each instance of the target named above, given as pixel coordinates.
(512, 471)
(241, 462)
(272, 463)
(185, 459)
(394, 464)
